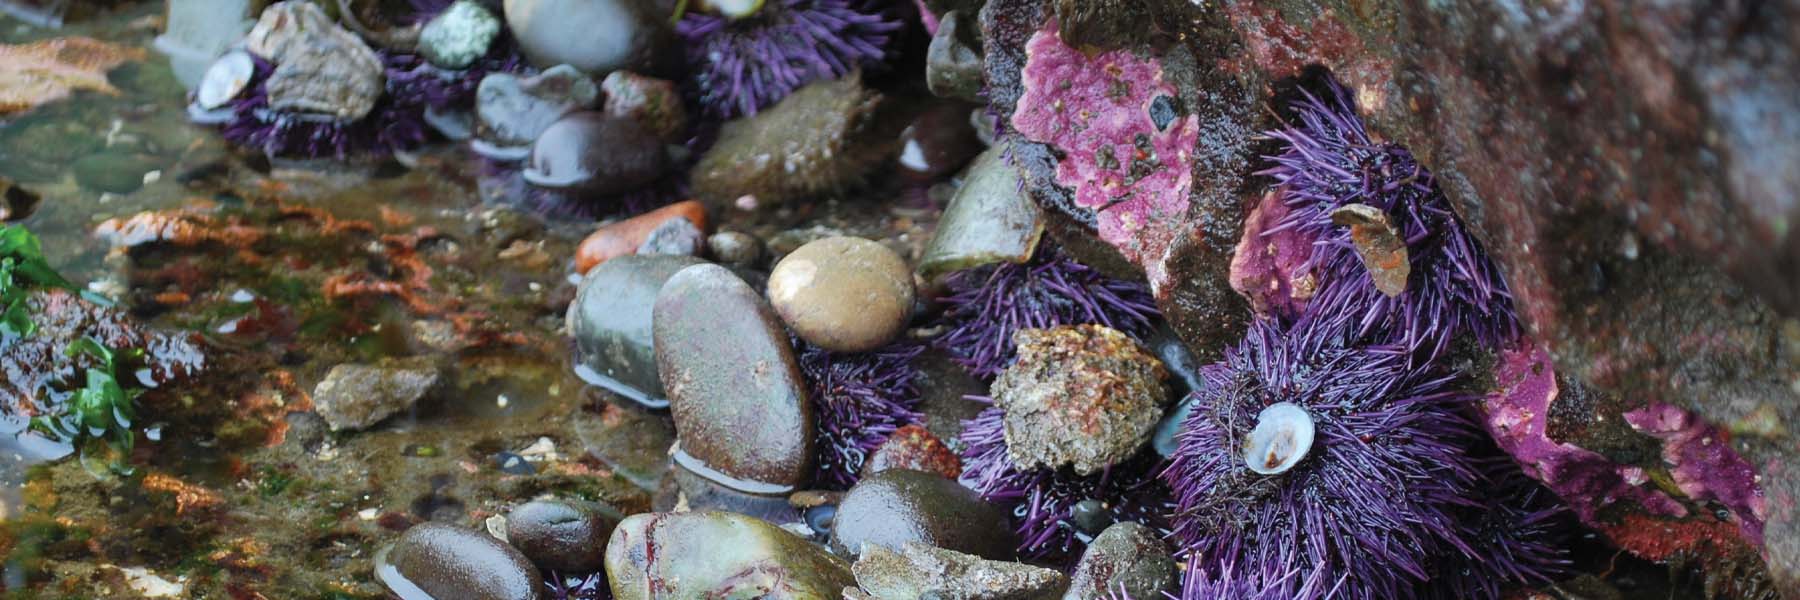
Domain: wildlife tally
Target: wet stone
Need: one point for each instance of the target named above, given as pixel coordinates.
(596, 36)
(718, 555)
(593, 153)
(740, 408)
(511, 110)
(1084, 396)
(320, 67)
(625, 237)
(953, 63)
(677, 237)
(434, 560)
(459, 36)
(631, 442)
(843, 294)
(684, 488)
(1127, 556)
(735, 248)
(896, 506)
(562, 535)
(653, 102)
(914, 447)
(808, 144)
(611, 321)
(937, 143)
(356, 396)
(920, 571)
(990, 220)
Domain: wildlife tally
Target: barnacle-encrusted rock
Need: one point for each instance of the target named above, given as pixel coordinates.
(921, 571)
(319, 67)
(1084, 396)
(458, 36)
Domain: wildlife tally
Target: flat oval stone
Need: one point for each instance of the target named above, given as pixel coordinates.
(843, 294)
(562, 535)
(708, 554)
(734, 387)
(610, 320)
(445, 561)
(896, 506)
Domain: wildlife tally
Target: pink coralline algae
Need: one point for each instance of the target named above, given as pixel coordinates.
(1704, 466)
(1518, 416)
(1269, 266)
(1125, 147)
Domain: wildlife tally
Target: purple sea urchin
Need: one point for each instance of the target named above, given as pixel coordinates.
(740, 66)
(1057, 511)
(1517, 532)
(860, 399)
(1328, 162)
(986, 305)
(394, 123)
(1376, 497)
(1269, 581)
(592, 586)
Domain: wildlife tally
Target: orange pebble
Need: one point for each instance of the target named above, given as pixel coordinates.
(624, 237)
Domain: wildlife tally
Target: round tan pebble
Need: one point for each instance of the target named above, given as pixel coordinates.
(843, 294)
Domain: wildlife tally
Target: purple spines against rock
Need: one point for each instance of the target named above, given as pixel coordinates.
(740, 66)
(394, 123)
(1381, 475)
(1518, 531)
(1270, 580)
(500, 181)
(986, 305)
(414, 81)
(1057, 512)
(560, 586)
(1328, 161)
(859, 400)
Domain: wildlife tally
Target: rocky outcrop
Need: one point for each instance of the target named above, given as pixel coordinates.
(1622, 163)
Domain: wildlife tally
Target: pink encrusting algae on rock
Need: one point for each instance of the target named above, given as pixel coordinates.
(1704, 466)
(1099, 111)
(1269, 266)
(1518, 416)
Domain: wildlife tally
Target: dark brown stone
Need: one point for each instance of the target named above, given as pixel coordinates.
(896, 506)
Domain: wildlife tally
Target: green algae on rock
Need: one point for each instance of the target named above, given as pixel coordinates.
(810, 143)
(718, 555)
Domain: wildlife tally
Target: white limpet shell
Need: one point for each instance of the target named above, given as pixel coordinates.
(736, 9)
(225, 79)
(1283, 435)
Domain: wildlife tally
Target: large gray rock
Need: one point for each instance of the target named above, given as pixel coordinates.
(610, 320)
(735, 390)
(596, 36)
(718, 555)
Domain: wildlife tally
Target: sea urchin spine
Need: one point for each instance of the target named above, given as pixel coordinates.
(741, 66)
(860, 399)
(987, 305)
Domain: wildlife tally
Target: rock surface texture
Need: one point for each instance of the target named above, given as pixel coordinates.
(1622, 163)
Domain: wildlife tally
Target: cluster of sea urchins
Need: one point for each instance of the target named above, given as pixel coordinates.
(859, 399)
(1334, 453)
(1328, 162)
(986, 305)
(741, 63)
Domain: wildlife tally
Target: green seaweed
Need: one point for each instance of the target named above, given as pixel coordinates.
(98, 415)
(23, 268)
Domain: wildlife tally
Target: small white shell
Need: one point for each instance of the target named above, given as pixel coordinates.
(1283, 435)
(225, 79)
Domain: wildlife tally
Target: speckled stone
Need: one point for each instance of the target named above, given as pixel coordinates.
(896, 506)
(458, 36)
(734, 387)
(718, 555)
(843, 294)
(919, 571)
(1126, 556)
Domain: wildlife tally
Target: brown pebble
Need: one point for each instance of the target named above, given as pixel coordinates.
(914, 447)
(843, 294)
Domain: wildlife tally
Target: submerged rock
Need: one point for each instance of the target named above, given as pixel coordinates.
(593, 153)
(843, 294)
(611, 321)
(1127, 557)
(445, 561)
(455, 38)
(114, 172)
(511, 111)
(918, 571)
(741, 411)
(562, 535)
(718, 555)
(808, 144)
(1083, 396)
(896, 506)
(356, 396)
